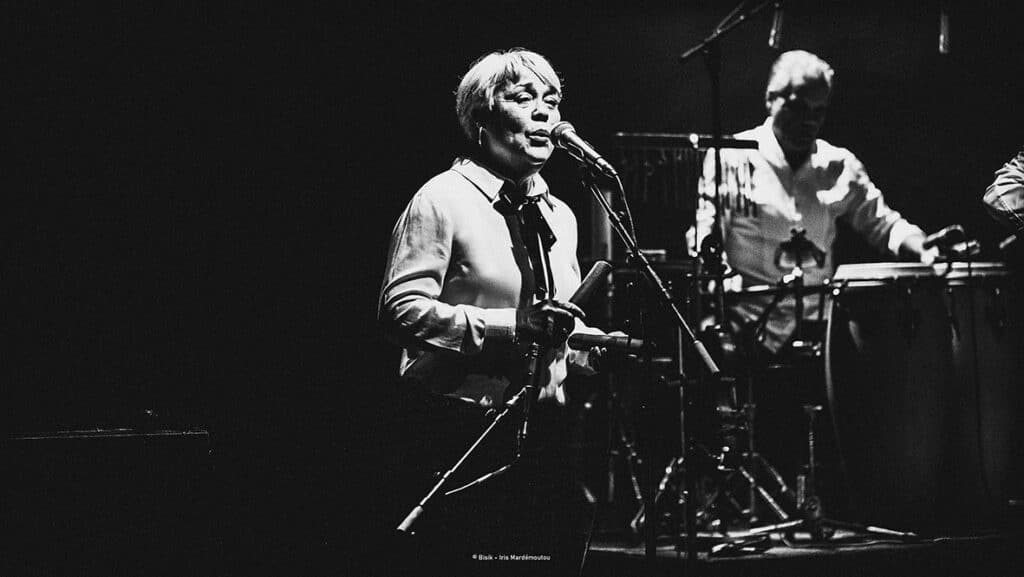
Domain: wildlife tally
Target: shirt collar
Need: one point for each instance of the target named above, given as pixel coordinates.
(490, 184)
(770, 148)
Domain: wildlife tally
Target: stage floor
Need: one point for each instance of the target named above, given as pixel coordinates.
(845, 554)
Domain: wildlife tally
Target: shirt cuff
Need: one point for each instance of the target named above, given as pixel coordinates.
(899, 233)
(499, 324)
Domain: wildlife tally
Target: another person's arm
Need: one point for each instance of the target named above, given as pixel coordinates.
(1004, 198)
(864, 208)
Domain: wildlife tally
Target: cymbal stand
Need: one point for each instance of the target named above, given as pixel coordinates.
(751, 333)
(722, 474)
(710, 47)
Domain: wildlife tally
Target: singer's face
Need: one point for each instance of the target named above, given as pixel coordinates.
(798, 115)
(518, 136)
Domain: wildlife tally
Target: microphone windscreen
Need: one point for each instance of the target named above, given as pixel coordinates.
(626, 344)
(558, 133)
(597, 274)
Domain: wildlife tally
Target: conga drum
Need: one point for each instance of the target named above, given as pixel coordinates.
(923, 371)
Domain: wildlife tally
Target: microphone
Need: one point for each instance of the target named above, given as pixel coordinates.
(775, 35)
(597, 273)
(626, 344)
(945, 238)
(564, 136)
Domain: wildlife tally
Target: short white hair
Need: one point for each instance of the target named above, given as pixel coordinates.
(474, 98)
(793, 65)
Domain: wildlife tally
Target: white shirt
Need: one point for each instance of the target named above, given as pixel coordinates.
(831, 184)
(1004, 198)
(452, 286)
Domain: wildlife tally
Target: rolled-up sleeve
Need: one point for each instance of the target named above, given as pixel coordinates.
(1004, 198)
(410, 310)
(865, 210)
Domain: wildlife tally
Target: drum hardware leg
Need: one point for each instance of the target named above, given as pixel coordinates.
(996, 311)
(812, 519)
(950, 305)
(757, 462)
(761, 482)
(908, 315)
(671, 496)
(758, 490)
(673, 471)
(622, 446)
(752, 463)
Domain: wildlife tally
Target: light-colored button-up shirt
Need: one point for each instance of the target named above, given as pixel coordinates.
(452, 286)
(1004, 198)
(831, 184)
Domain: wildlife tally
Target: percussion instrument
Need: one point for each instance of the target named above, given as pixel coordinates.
(923, 370)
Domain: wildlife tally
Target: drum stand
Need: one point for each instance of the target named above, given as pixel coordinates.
(722, 476)
(754, 462)
(721, 470)
(812, 519)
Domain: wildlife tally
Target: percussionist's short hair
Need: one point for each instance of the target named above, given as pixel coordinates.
(474, 98)
(796, 64)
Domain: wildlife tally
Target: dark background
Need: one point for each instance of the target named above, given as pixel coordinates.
(198, 199)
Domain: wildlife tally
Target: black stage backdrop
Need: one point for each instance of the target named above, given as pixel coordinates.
(198, 199)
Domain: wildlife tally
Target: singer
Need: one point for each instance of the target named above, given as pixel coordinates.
(460, 295)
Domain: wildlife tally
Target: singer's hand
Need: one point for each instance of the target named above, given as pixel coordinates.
(600, 361)
(547, 322)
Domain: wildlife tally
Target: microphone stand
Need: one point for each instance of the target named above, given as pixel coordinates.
(406, 525)
(711, 249)
(691, 342)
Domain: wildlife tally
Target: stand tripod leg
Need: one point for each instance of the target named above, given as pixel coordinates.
(793, 523)
(760, 491)
(811, 519)
(407, 523)
(870, 529)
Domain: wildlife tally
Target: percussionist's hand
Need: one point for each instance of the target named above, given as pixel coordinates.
(547, 322)
(912, 248)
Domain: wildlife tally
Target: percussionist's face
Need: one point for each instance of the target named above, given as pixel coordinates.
(519, 134)
(797, 115)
